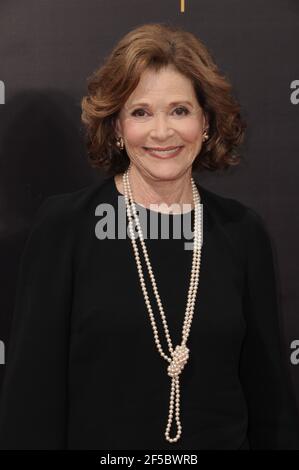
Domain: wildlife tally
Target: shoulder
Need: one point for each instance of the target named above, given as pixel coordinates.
(60, 219)
(57, 225)
(244, 229)
(230, 211)
(70, 209)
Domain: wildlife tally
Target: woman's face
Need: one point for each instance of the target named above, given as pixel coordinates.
(162, 112)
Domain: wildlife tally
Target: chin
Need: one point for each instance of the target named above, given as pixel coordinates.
(166, 170)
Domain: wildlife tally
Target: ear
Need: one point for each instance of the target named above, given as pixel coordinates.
(117, 127)
(206, 124)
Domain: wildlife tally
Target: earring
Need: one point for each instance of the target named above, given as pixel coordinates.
(205, 135)
(120, 143)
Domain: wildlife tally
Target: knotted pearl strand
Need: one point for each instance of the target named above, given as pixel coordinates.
(178, 356)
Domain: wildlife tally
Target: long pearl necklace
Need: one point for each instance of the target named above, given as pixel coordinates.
(178, 356)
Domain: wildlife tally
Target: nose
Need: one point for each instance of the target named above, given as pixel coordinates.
(160, 127)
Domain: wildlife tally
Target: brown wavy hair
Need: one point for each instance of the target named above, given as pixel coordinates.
(154, 46)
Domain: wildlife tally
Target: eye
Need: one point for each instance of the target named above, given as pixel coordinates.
(184, 111)
(180, 111)
(137, 112)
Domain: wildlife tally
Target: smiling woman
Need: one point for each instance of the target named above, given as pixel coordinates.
(160, 105)
(161, 63)
(126, 343)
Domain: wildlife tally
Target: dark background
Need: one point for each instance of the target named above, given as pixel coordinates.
(48, 49)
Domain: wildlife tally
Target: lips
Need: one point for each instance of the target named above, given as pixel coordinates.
(166, 152)
(163, 148)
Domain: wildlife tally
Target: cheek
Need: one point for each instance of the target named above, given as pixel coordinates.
(192, 132)
(135, 134)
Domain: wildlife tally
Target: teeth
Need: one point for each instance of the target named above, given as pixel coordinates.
(164, 151)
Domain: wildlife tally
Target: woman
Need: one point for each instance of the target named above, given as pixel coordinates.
(107, 350)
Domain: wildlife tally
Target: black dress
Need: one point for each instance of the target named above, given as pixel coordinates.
(83, 370)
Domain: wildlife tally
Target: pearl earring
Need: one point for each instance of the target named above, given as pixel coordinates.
(205, 135)
(120, 143)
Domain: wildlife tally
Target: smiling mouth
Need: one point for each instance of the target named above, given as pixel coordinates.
(167, 152)
(163, 149)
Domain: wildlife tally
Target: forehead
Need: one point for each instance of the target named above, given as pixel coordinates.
(167, 84)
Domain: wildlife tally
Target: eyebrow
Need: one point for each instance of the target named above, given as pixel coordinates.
(174, 103)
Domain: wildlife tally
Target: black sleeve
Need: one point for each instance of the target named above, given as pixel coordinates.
(273, 421)
(33, 413)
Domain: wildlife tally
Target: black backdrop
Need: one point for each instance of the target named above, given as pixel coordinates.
(47, 50)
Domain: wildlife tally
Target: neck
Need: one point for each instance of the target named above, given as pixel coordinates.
(147, 191)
